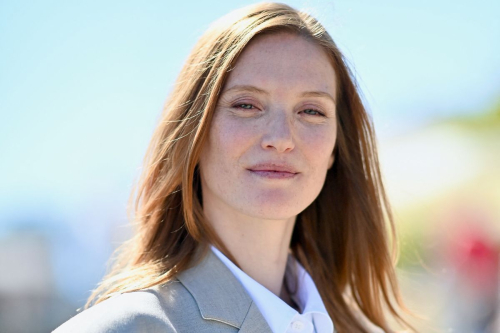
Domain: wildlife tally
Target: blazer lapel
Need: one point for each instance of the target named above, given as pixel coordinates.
(221, 297)
(254, 322)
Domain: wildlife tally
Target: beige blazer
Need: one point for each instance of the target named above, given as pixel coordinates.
(205, 298)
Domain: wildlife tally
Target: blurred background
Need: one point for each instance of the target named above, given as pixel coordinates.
(82, 85)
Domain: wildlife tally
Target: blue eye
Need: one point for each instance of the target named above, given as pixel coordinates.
(313, 112)
(245, 106)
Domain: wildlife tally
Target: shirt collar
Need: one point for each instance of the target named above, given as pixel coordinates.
(309, 300)
(277, 313)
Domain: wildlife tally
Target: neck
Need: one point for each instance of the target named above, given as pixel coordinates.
(259, 246)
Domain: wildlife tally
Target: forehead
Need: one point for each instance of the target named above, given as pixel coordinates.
(284, 61)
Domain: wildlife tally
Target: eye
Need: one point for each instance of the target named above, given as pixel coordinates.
(244, 106)
(313, 112)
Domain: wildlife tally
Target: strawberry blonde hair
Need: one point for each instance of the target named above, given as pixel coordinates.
(343, 239)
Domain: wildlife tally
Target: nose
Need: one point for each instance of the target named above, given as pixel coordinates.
(278, 133)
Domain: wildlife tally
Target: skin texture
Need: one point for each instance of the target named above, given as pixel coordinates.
(287, 116)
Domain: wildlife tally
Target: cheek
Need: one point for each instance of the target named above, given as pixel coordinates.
(221, 158)
(231, 138)
(318, 149)
(318, 146)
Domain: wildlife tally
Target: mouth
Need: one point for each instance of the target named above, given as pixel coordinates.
(273, 174)
(274, 171)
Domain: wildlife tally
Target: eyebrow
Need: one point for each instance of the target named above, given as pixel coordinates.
(256, 90)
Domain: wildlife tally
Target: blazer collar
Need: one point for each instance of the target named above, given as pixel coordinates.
(221, 297)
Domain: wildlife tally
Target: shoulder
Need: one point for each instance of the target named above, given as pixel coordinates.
(204, 298)
(157, 309)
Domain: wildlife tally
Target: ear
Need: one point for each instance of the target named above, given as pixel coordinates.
(331, 160)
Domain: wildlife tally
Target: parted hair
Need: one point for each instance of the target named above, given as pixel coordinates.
(345, 239)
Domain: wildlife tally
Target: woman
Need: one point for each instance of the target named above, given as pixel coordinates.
(260, 207)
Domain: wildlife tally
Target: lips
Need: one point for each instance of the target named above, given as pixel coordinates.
(274, 167)
(274, 170)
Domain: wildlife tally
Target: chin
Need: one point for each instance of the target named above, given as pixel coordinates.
(273, 216)
(274, 211)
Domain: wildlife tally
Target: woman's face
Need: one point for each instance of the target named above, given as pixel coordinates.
(273, 132)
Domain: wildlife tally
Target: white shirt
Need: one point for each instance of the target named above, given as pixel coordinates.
(281, 317)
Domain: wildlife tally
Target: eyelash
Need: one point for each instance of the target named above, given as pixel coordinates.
(318, 113)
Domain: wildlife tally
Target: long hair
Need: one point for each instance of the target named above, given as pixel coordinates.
(345, 239)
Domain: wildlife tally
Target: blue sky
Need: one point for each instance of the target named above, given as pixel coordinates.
(82, 83)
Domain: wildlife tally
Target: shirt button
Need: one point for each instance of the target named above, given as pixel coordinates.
(297, 326)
